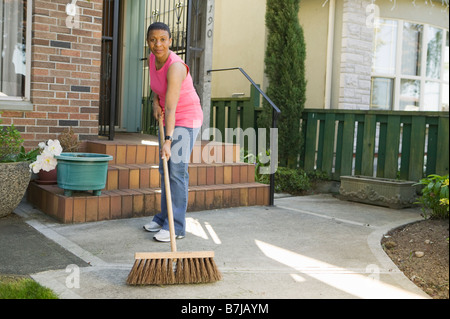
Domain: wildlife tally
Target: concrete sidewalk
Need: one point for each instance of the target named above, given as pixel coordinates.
(305, 247)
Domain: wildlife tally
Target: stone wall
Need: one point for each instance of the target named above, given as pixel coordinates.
(356, 56)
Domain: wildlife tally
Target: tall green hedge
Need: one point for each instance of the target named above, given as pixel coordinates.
(285, 70)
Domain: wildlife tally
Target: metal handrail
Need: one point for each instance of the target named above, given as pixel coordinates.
(275, 113)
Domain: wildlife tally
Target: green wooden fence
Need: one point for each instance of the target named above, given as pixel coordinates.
(235, 113)
(386, 144)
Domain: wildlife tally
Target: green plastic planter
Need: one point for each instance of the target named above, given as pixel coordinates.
(82, 172)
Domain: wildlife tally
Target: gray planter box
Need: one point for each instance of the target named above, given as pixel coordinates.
(385, 192)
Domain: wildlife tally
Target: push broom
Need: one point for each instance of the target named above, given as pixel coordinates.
(166, 268)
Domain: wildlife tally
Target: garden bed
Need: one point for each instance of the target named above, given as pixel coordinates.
(429, 272)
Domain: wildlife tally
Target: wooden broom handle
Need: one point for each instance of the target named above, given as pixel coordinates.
(173, 244)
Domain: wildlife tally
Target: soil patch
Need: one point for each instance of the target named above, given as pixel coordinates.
(421, 251)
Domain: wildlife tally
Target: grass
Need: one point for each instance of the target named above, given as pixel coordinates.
(12, 287)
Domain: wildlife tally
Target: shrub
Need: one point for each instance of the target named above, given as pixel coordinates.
(434, 198)
(11, 149)
(294, 181)
(289, 180)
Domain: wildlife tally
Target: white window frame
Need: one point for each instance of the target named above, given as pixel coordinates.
(12, 103)
(398, 76)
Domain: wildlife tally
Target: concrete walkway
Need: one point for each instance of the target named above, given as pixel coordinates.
(304, 247)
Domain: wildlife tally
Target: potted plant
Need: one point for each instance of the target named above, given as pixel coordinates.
(45, 164)
(14, 168)
(73, 171)
(80, 171)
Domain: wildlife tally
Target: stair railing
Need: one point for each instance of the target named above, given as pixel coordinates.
(275, 113)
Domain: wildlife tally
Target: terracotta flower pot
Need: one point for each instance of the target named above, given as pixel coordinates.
(47, 178)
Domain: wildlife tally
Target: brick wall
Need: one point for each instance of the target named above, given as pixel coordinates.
(65, 73)
(356, 56)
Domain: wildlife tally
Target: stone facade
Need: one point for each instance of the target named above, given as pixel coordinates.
(356, 56)
(65, 73)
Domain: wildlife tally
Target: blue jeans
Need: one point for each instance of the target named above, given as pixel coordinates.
(182, 145)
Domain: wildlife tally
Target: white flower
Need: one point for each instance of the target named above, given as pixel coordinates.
(54, 147)
(35, 167)
(46, 160)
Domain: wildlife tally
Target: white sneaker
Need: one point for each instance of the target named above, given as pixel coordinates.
(152, 227)
(164, 236)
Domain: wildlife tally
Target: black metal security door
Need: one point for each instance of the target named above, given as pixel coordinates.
(181, 16)
(176, 14)
(108, 83)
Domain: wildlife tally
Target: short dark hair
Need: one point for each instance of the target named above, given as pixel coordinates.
(158, 26)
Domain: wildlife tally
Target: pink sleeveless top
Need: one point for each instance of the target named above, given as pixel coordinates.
(189, 110)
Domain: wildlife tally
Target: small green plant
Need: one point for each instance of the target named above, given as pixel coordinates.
(24, 288)
(11, 149)
(434, 198)
(259, 160)
(10, 142)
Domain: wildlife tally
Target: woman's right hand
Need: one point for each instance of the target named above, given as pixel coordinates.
(157, 110)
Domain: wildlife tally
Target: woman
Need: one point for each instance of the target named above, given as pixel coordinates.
(176, 100)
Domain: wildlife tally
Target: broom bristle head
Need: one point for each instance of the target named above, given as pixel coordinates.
(163, 271)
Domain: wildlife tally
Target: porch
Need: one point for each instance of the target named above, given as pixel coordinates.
(218, 179)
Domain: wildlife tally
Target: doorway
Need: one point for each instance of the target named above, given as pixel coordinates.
(174, 13)
(125, 99)
(108, 116)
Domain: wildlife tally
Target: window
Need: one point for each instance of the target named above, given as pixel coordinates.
(385, 47)
(410, 67)
(15, 44)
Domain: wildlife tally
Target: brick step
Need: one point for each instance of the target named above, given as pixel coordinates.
(127, 203)
(135, 176)
(147, 152)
